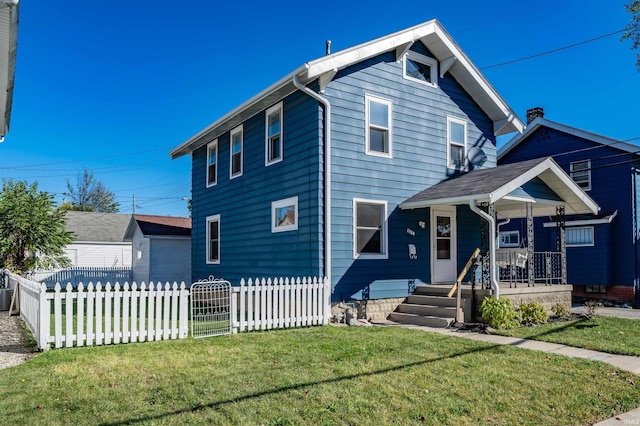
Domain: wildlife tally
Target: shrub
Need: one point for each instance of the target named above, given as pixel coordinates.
(591, 306)
(533, 313)
(499, 313)
(561, 310)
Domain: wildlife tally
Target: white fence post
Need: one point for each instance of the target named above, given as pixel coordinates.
(44, 319)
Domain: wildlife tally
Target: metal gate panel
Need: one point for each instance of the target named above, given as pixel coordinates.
(210, 308)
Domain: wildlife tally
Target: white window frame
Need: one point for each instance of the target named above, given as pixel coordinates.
(239, 129)
(368, 125)
(576, 228)
(214, 218)
(384, 234)
(509, 233)
(267, 144)
(212, 145)
(450, 120)
(417, 57)
(275, 205)
(588, 171)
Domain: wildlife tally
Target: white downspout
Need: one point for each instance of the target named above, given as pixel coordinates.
(492, 246)
(327, 172)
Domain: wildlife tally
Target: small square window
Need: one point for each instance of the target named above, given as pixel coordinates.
(579, 237)
(212, 163)
(457, 143)
(236, 152)
(370, 229)
(284, 215)
(273, 131)
(213, 239)
(581, 173)
(420, 68)
(378, 126)
(602, 289)
(510, 239)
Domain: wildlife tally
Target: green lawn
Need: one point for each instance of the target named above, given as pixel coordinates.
(605, 334)
(315, 376)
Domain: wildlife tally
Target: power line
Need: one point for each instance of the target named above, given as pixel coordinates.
(554, 50)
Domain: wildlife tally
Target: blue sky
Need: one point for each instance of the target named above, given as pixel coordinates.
(114, 86)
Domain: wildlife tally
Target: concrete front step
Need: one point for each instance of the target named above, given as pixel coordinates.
(433, 289)
(419, 299)
(427, 310)
(429, 321)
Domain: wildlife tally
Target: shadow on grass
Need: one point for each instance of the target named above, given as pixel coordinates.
(577, 324)
(214, 405)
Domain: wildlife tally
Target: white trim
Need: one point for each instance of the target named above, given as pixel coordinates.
(292, 201)
(510, 245)
(593, 237)
(588, 170)
(425, 60)
(384, 233)
(368, 125)
(213, 218)
(239, 129)
(267, 142)
(214, 143)
(464, 123)
(602, 221)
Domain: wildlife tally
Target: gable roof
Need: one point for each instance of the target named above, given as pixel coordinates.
(151, 225)
(543, 122)
(432, 34)
(9, 11)
(507, 186)
(97, 227)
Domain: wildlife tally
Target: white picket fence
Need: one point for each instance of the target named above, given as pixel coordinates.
(103, 315)
(265, 304)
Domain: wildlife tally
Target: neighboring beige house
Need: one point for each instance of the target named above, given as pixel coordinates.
(9, 11)
(99, 239)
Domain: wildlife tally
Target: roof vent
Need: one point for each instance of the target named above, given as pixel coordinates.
(327, 45)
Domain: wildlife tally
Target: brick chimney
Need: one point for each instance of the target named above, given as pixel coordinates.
(534, 113)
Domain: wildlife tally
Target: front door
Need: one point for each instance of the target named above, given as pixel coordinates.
(443, 245)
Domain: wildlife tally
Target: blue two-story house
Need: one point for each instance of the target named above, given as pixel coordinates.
(602, 250)
(323, 172)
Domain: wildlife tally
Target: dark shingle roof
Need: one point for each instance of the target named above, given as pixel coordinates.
(163, 225)
(99, 227)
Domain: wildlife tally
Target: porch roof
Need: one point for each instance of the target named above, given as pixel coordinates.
(540, 181)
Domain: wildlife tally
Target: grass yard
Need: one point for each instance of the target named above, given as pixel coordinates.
(313, 376)
(605, 334)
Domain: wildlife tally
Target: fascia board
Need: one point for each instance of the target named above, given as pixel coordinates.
(602, 221)
(444, 201)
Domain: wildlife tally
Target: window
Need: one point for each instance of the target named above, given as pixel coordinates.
(581, 174)
(284, 215)
(579, 237)
(378, 131)
(212, 163)
(236, 152)
(510, 239)
(370, 229)
(213, 239)
(273, 147)
(596, 289)
(420, 68)
(456, 143)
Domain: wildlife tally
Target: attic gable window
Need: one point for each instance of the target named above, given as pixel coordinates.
(212, 163)
(420, 68)
(581, 173)
(273, 145)
(236, 152)
(456, 143)
(284, 215)
(378, 126)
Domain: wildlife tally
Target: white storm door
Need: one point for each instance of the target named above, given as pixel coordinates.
(443, 245)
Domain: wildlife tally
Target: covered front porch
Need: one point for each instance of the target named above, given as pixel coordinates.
(525, 190)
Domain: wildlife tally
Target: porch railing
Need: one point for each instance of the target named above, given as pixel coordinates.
(513, 267)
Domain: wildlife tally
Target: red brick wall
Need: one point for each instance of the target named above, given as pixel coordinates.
(618, 293)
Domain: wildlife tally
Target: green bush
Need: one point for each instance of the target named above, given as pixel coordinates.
(533, 313)
(591, 308)
(561, 311)
(499, 313)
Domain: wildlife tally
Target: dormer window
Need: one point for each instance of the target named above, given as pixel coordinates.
(420, 68)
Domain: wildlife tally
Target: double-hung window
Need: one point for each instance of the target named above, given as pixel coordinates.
(581, 173)
(456, 143)
(273, 146)
(378, 126)
(370, 229)
(213, 239)
(236, 152)
(420, 68)
(212, 163)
